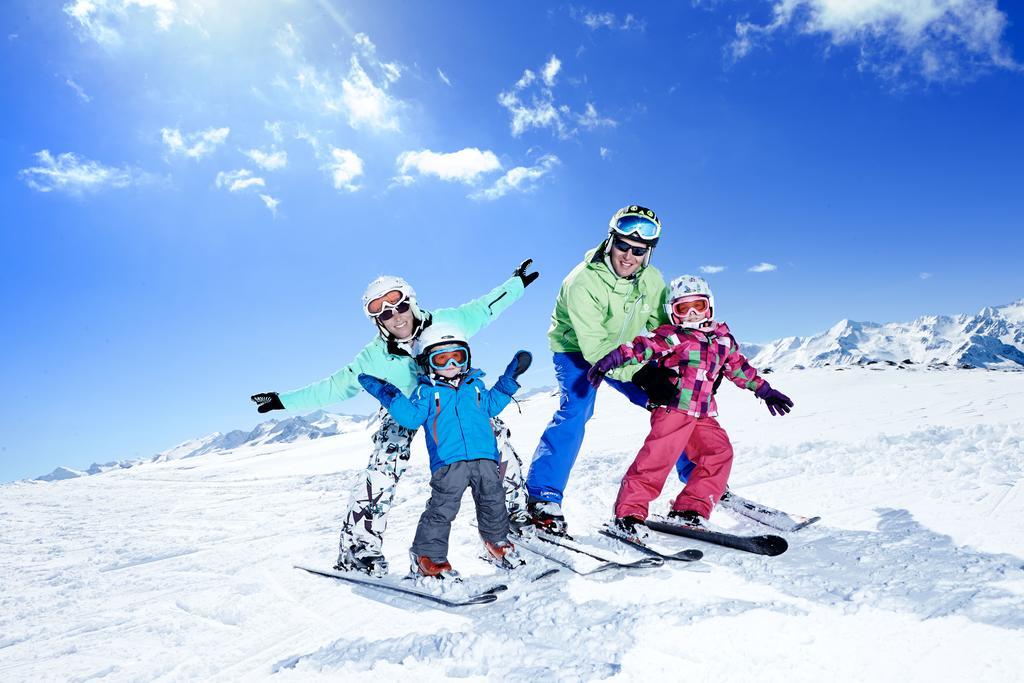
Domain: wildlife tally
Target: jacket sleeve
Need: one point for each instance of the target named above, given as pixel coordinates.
(497, 397)
(410, 412)
(342, 385)
(645, 347)
(738, 370)
(475, 315)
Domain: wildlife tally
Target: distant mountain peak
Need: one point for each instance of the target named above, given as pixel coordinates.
(992, 338)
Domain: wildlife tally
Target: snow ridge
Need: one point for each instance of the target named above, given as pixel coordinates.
(315, 425)
(993, 339)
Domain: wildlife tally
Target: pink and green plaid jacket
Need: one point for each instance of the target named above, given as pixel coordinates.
(699, 358)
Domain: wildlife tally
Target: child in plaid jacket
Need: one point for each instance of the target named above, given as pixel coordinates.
(701, 351)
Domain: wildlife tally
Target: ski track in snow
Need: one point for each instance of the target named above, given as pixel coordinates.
(175, 571)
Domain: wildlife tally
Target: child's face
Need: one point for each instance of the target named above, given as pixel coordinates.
(448, 373)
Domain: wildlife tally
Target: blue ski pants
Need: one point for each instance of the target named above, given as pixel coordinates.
(560, 444)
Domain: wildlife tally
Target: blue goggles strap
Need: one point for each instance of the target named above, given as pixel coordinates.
(643, 227)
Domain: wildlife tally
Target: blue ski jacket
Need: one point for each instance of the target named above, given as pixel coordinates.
(457, 419)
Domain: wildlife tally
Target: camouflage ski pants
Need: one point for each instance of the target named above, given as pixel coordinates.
(367, 515)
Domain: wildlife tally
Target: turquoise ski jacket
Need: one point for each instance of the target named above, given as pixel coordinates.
(388, 361)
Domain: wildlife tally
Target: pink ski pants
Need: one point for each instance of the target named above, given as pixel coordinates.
(706, 444)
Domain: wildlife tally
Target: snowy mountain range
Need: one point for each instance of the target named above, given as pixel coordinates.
(993, 338)
(301, 428)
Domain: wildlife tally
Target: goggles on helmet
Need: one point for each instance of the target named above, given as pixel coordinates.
(641, 226)
(448, 357)
(392, 299)
(691, 308)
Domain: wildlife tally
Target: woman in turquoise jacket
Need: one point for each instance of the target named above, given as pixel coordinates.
(391, 304)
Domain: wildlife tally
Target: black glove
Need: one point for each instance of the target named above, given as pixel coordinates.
(519, 364)
(656, 381)
(267, 402)
(527, 278)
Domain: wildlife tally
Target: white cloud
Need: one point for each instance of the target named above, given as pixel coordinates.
(519, 179)
(605, 152)
(443, 77)
(597, 20)
(241, 179)
(194, 145)
(276, 129)
(270, 203)
(924, 276)
(551, 70)
(940, 40)
(78, 90)
(464, 166)
(763, 268)
(531, 104)
(73, 175)
(364, 100)
(344, 167)
(268, 161)
(104, 20)
(590, 119)
(711, 270)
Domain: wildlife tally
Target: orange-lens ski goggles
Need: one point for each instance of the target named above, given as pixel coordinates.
(444, 358)
(392, 299)
(682, 307)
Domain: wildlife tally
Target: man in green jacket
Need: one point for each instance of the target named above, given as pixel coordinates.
(391, 304)
(607, 300)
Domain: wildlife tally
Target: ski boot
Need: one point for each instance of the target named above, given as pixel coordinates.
(503, 554)
(424, 567)
(367, 562)
(547, 516)
(517, 519)
(689, 518)
(631, 528)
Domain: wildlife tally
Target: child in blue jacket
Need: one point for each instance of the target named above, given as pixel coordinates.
(454, 406)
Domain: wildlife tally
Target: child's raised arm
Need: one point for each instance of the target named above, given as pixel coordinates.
(742, 374)
(410, 414)
(498, 396)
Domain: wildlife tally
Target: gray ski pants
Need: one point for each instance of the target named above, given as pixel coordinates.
(447, 485)
(366, 518)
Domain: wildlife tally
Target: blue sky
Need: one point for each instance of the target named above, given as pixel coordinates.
(195, 192)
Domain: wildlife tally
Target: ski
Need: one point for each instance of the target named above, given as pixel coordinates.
(653, 547)
(609, 558)
(480, 598)
(766, 544)
(776, 519)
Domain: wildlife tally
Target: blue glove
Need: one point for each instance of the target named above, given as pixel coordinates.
(385, 392)
(519, 364)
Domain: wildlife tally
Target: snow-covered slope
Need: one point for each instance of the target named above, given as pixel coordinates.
(181, 569)
(992, 338)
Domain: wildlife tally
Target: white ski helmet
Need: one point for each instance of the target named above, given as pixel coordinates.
(635, 222)
(380, 287)
(691, 285)
(438, 334)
